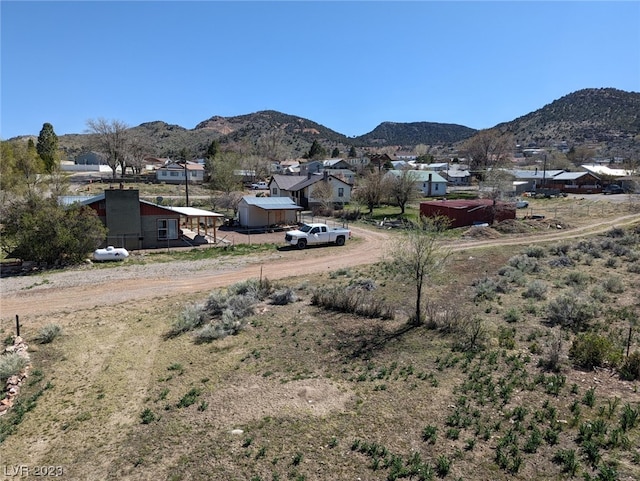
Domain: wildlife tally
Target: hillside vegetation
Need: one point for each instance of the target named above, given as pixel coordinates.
(605, 118)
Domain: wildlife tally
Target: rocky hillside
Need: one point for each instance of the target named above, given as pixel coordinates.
(607, 119)
(414, 133)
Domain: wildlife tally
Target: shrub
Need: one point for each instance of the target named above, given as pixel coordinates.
(189, 398)
(630, 370)
(614, 285)
(535, 251)
(355, 301)
(553, 353)
(283, 297)
(486, 289)
(562, 261)
(570, 310)
(567, 458)
(524, 263)
(147, 416)
(512, 315)
(591, 350)
(429, 434)
(11, 364)
(48, 333)
(536, 290)
(191, 317)
(577, 279)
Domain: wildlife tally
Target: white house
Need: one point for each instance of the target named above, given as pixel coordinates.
(174, 173)
(301, 187)
(428, 183)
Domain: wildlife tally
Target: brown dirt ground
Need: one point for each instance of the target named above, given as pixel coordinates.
(367, 247)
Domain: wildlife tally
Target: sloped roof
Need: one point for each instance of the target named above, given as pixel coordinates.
(286, 182)
(534, 174)
(271, 203)
(573, 175)
(421, 175)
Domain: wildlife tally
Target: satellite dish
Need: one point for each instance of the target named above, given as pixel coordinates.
(159, 199)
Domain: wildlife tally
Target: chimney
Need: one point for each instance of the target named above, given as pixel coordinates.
(429, 183)
(325, 175)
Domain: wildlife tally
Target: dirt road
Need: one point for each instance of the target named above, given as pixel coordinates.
(85, 288)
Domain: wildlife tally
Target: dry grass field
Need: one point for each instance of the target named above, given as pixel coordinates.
(487, 389)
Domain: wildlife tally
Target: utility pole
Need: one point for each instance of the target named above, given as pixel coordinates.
(186, 181)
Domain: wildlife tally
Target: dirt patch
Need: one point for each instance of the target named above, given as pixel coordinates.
(252, 398)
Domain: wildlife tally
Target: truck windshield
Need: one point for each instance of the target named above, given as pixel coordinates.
(305, 228)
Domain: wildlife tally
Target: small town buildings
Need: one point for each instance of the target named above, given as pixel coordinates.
(301, 188)
(576, 183)
(428, 183)
(175, 173)
(265, 212)
(134, 224)
(462, 213)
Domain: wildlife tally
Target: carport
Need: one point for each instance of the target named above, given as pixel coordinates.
(204, 220)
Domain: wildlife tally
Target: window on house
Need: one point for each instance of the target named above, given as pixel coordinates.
(274, 190)
(340, 191)
(167, 229)
(174, 174)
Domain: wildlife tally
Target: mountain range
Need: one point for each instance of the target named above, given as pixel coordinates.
(604, 119)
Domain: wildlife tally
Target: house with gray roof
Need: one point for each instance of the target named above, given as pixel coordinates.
(301, 188)
(428, 183)
(265, 212)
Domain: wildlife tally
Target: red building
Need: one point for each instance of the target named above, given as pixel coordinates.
(468, 212)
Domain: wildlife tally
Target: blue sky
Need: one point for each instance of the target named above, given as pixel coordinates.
(346, 65)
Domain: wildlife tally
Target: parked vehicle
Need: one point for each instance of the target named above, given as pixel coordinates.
(613, 189)
(260, 186)
(110, 253)
(314, 234)
(522, 204)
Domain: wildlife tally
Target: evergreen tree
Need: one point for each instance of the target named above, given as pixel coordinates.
(213, 149)
(39, 229)
(352, 152)
(47, 146)
(336, 153)
(316, 151)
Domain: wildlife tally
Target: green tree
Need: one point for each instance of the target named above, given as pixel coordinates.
(47, 147)
(335, 153)
(41, 230)
(352, 153)
(222, 172)
(316, 151)
(419, 258)
(213, 149)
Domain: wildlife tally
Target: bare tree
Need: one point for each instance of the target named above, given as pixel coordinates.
(371, 189)
(323, 193)
(110, 138)
(137, 149)
(487, 149)
(580, 155)
(270, 145)
(402, 188)
(418, 257)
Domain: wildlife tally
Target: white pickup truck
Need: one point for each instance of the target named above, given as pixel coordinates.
(312, 234)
